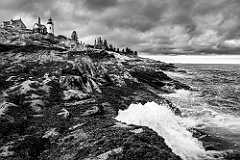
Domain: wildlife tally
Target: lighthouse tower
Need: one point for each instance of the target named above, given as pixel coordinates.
(50, 26)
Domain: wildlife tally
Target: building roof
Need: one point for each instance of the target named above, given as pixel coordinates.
(37, 25)
(14, 22)
(50, 21)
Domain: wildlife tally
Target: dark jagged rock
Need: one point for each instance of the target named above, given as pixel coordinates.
(13, 119)
(85, 66)
(157, 79)
(137, 147)
(62, 104)
(30, 147)
(73, 82)
(83, 78)
(154, 79)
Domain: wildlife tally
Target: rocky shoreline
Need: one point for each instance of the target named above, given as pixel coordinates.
(58, 104)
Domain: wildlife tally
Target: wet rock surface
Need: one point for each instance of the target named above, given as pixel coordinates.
(60, 105)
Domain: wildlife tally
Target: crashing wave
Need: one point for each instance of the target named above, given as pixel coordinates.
(172, 128)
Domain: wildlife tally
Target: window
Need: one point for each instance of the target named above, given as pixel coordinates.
(50, 28)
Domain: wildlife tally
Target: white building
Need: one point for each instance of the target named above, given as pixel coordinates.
(50, 26)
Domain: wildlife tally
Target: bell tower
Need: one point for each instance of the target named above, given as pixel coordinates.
(50, 26)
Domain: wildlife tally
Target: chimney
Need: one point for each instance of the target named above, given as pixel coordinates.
(39, 20)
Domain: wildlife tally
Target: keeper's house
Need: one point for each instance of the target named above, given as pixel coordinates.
(14, 24)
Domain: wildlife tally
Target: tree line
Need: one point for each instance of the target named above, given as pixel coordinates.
(100, 43)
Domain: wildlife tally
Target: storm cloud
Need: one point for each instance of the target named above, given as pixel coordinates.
(152, 26)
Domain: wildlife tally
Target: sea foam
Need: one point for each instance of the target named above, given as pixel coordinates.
(194, 106)
(172, 128)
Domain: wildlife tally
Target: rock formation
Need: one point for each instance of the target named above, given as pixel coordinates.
(63, 107)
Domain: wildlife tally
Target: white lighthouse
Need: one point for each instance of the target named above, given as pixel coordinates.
(50, 26)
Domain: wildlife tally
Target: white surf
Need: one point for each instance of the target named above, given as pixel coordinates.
(172, 128)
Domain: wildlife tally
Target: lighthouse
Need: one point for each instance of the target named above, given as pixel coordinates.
(50, 26)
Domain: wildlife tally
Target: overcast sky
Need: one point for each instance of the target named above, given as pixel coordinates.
(144, 25)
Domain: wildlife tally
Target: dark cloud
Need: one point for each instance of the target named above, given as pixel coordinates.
(153, 12)
(99, 5)
(147, 26)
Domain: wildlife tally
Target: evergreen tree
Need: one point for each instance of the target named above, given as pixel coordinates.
(100, 42)
(110, 47)
(123, 51)
(127, 50)
(105, 44)
(74, 37)
(118, 50)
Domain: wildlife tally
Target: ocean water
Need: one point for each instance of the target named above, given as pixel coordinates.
(196, 59)
(210, 121)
